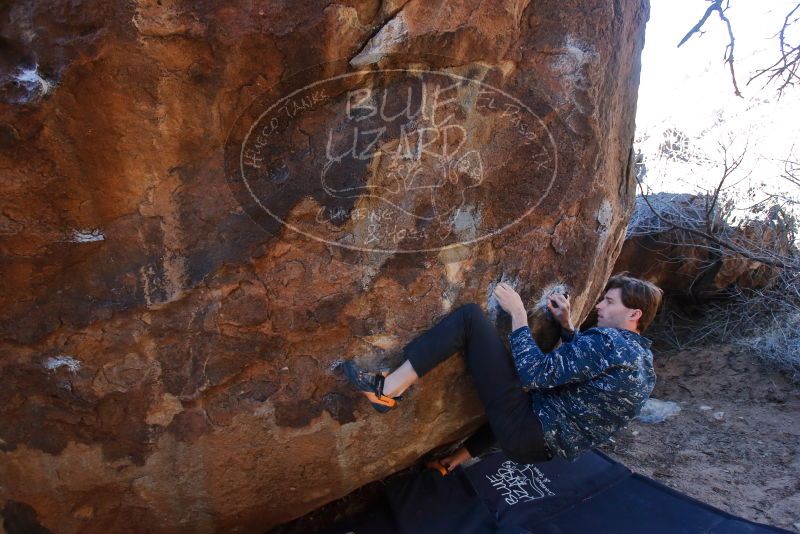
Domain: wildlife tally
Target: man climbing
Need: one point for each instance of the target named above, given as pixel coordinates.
(538, 405)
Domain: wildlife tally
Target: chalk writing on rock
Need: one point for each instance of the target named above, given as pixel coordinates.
(394, 160)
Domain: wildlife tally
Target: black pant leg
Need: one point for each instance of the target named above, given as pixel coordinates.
(481, 441)
(508, 407)
(438, 343)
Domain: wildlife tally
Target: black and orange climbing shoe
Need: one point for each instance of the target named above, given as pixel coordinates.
(437, 465)
(371, 385)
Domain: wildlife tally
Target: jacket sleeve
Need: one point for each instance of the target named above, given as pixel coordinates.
(586, 357)
(568, 336)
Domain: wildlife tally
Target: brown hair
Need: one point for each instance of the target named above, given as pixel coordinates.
(638, 295)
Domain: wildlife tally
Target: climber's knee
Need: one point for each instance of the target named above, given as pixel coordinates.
(471, 310)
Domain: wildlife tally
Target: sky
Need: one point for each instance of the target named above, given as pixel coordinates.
(689, 89)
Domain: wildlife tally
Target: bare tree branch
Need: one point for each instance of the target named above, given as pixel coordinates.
(788, 61)
(716, 6)
(727, 170)
(697, 27)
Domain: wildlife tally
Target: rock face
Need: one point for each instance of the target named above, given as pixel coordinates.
(687, 265)
(207, 205)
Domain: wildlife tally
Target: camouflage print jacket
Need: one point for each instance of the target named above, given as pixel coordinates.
(587, 388)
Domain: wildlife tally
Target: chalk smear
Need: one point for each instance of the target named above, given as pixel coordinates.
(55, 362)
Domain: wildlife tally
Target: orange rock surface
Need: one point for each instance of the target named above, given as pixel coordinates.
(176, 290)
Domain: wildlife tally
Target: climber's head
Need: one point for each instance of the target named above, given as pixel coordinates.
(628, 303)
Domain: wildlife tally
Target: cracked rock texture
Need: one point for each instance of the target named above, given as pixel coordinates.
(167, 359)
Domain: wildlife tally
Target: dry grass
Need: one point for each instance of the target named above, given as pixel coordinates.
(765, 323)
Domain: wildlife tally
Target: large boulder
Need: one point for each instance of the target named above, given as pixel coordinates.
(206, 206)
(665, 244)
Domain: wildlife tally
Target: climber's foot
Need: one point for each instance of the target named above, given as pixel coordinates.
(371, 385)
(437, 465)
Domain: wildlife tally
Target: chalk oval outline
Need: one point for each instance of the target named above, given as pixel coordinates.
(389, 251)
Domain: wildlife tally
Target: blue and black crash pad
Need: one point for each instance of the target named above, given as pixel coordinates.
(593, 494)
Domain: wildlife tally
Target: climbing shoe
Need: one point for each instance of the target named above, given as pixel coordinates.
(371, 385)
(437, 465)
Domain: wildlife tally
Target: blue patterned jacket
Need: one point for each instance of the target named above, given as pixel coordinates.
(587, 388)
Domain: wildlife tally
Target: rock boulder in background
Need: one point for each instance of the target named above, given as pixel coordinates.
(688, 266)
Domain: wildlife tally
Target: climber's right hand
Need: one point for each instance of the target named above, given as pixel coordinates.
(559, 306)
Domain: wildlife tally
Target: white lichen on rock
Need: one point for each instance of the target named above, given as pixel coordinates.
(33, 82)
(493, 308)
(575, 54)
(466, 220)
(87, 236)
(62, 360)
(388, 40)
(604, 216)
(556, 287)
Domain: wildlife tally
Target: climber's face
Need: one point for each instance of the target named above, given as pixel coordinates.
(612, 313)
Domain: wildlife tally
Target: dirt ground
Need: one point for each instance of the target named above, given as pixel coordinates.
(735, 442)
